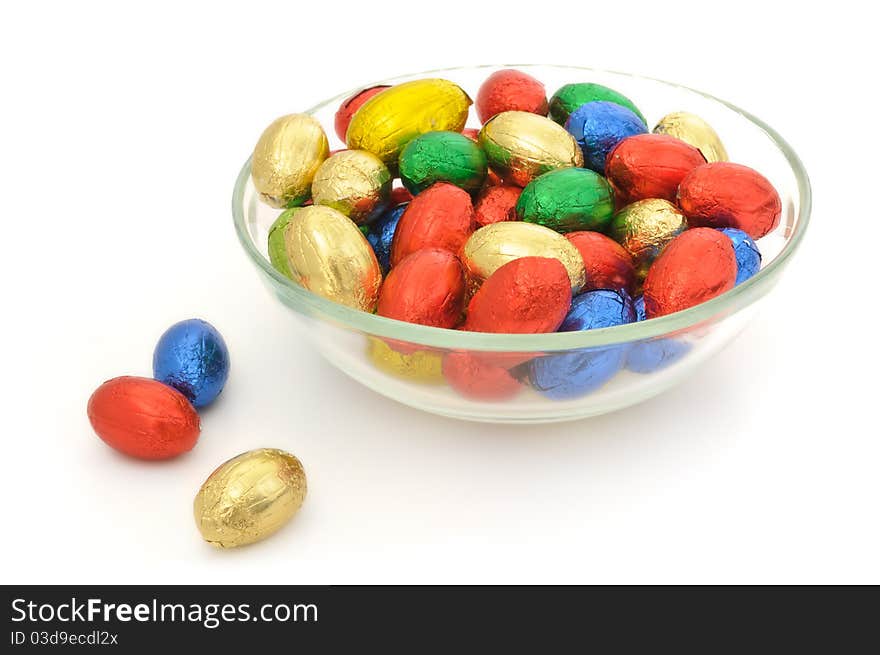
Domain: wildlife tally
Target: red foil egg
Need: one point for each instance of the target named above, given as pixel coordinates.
(529, 295)
(492, 179)
(696, 266)
(510, 90)
(496, 204)
(730, 195)
(143, 418)
(399, 195)
(478, 377)
(349, 106)
(650, 166)
(426, 287)
(607, 263)
(441, 216)
(472, 133)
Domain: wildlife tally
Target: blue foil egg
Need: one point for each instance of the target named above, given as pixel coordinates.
(599, 309)
(381, 233)
(568, 375)
(599, 126)
(653, 354)
(748, 257)
(192, 357)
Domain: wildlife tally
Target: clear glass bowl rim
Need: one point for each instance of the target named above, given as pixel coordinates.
(737, 298)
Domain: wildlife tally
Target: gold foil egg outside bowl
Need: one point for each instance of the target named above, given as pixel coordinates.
(341, 331)
(249, 497)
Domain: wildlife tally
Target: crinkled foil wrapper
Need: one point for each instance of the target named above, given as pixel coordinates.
(492, 246)
(354, 182)
(331, 257)
(286, 158)
(520, 146)
(249, 497)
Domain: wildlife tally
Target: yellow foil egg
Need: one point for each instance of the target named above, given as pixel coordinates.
(520, 146)
(492, 246)
(249, 497)
(423, 366)
(695, 131)
(328, 255)
(392, 118)
(286, 158)
(355, 183)
(644, 228)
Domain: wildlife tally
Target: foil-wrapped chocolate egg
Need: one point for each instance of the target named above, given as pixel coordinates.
(380, 234)
(600, 308)
(442, 216)
(598, 127)
(644, 228)
(425, 287)
(655, 354)
(510, 90)
(349, 107)
(569, 374)
(277, 249)
(529, 295)
(493, 246)
(692, 129)
(479, 377)
(192, 357)
(143, 418)
(748, 256)
(696, 266)
(571, 96)
(520, 146)
(286, 158)
(330, 256)
(422, 366)
(730, 195)
(574, 373)
(650, 166)
(249, 497)
(472, 133)
(606, 263)
(442, 157)
(496, 204)
(400, 195)
(394, 117)
(353, 182)
(567, 200)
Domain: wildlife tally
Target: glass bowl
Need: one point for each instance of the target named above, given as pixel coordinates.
(594, 371)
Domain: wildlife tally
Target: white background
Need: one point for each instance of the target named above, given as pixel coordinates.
(122, 131)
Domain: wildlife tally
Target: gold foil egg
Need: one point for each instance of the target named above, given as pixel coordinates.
(286, 158)
(249, 497)
(644, 228)
(694, 131)
(355, 183)
(492, 246)
(520, 146)
(392, 118)
(423, 366)
(330, 256)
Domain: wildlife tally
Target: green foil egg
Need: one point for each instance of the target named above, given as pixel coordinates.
(277, 252)
(442, 157)
(571, 96)
(567, 200)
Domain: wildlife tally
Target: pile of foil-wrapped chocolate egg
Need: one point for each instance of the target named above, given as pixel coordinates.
(244, 500)
(557, 215)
